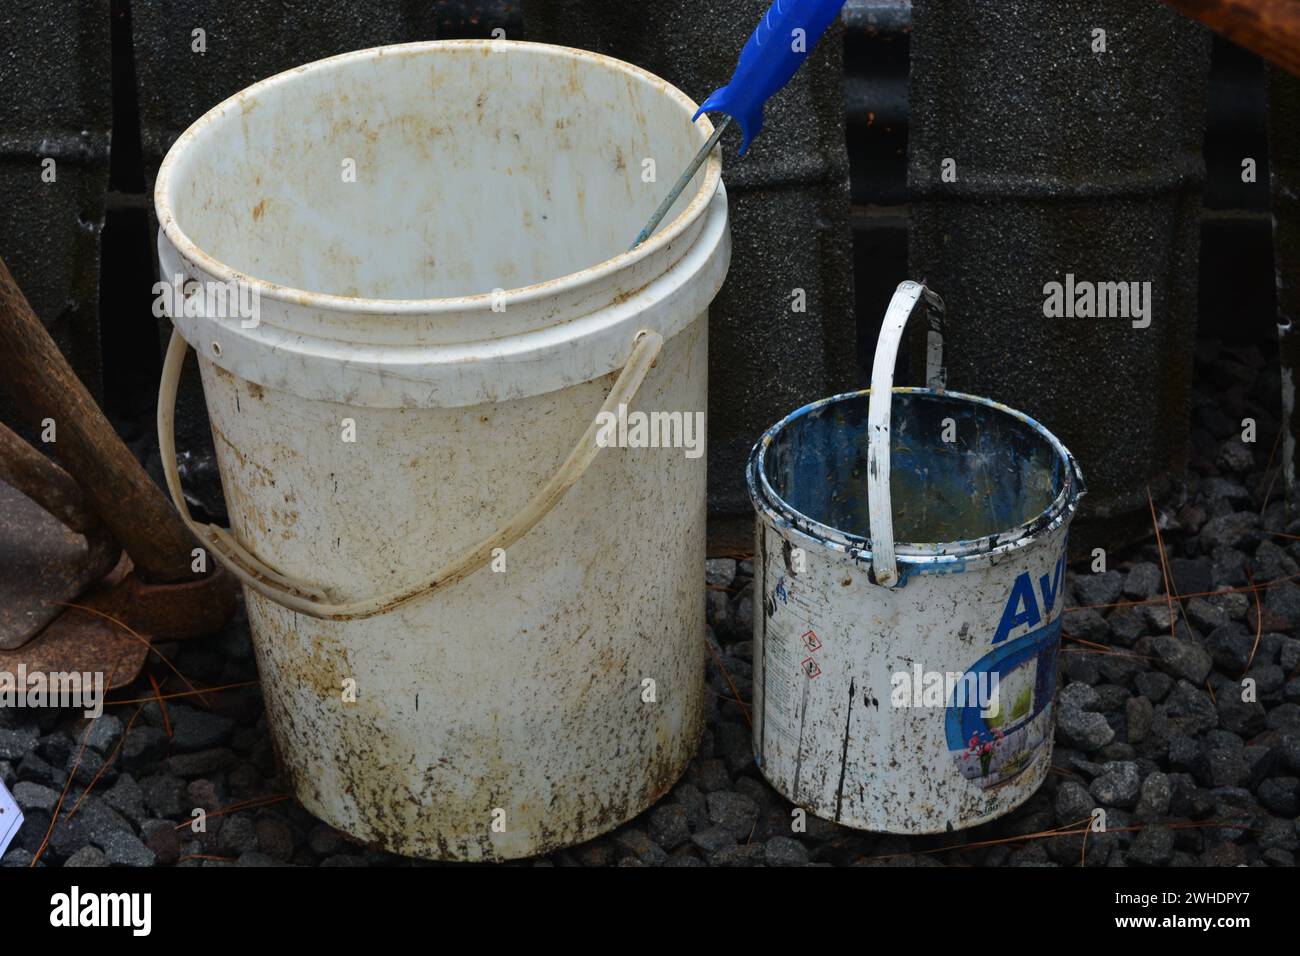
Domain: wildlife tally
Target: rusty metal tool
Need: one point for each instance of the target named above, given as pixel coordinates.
(54, 544)
(44, 386)
(105, 496)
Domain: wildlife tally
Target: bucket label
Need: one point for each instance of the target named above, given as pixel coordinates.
(789, 663)
(994, 742)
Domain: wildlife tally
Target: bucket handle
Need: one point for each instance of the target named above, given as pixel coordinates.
(300, 596)
(908, 297)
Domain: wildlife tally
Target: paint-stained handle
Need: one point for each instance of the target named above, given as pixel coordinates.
(907, 298)
(300, 596)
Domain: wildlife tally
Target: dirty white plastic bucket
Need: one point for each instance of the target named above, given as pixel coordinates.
(479, 634)
(908, 688)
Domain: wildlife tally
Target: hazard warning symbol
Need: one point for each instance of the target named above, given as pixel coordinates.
(811, 641)
(810, 668)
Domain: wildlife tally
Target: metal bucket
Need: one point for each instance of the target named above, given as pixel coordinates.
(908, 687)
(394, 421)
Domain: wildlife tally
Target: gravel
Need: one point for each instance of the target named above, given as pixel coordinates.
(1153, 727)
(733, 812)
(87, 856)
(719, 572)
(669, 826)
(125, 849)
(126, 797)
(1179, 657)
(1144, 580)
(194, 730)
(17, 744)
(1153, 685)
(275, 838)
(713, 839)
(637, 843)
(1079, 696)
(1118, 785)
(239, 835)
(104, 733)
(164, 795)
(165, 843)
(1098, 589)
(1073, 803)
(1230, 531)
(1083, 730)
(1280, 796)
(784, 851)
(1154, 797)
(1154, 846)
(32, 796)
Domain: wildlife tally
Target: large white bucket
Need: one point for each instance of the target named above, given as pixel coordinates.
(396, 434)
(875, 662)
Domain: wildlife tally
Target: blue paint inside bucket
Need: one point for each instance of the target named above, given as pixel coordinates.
(1001, 478)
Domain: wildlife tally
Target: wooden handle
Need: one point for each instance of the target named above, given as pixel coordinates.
(1270, 28)
(44, 386)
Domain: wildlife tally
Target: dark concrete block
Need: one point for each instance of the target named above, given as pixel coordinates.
(1068, 161)
(57, 105)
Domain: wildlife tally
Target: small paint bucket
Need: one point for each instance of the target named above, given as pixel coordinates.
(907, 686)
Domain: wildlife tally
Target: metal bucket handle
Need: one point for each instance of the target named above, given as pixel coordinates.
(907, 298)
(298, 595)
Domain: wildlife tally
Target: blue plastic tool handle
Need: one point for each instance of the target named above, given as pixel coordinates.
(789, 31)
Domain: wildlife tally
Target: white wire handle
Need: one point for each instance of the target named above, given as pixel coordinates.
(907, 298)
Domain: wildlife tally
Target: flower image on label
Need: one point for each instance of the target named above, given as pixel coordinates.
(995, 744)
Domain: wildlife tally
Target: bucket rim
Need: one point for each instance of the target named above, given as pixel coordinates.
(933, 556)
(655, 245)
